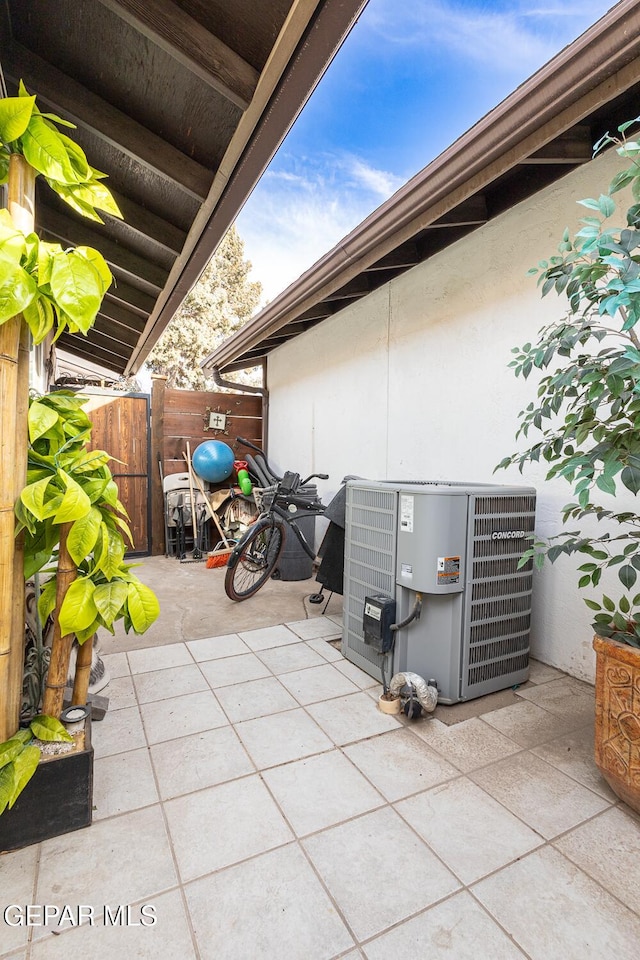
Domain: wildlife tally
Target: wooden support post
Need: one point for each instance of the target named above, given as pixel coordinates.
(158, 391)
(14, 399)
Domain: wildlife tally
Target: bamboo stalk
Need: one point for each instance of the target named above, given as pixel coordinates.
(83, 673)
(60, 646)
(14, 386)
(9, 340)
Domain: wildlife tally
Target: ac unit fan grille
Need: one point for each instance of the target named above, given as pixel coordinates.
(499, 668)
(496, 629)
(500, 608)
(492, 609)
(501, 504)
(501, 587)
(498, 650)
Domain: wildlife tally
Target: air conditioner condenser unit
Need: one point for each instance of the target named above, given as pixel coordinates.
(459, 546)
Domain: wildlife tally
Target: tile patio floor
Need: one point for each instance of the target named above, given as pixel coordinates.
(247, 788)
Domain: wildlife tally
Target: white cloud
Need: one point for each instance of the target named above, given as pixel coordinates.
(293, 219)
(516, 38)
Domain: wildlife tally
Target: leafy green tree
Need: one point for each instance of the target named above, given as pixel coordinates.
(587, 411)
(220, 303)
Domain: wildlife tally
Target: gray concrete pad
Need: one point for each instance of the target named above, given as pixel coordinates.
(193, 605)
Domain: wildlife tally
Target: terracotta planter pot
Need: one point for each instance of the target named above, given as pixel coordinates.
(617, 751)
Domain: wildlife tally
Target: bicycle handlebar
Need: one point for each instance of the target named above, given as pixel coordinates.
(248, 443)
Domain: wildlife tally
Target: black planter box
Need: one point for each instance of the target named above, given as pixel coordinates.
(57, 800)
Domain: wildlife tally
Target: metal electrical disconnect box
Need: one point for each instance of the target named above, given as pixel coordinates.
(459, 545)
(379, 614)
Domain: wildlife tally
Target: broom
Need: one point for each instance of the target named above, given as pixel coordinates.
(219, 556)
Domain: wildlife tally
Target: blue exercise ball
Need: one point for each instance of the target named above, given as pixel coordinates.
(213, 461)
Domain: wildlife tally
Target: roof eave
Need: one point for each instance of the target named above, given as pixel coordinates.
(308, 42)
(555, 98)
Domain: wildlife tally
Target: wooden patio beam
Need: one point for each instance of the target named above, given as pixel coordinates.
(192, 45)
(573, 147)
(78, 104)
(74, 232)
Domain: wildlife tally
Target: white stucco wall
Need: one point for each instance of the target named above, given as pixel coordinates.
(412, 382)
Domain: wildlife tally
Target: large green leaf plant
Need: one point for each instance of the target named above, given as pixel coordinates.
(588, 410)
(70, 493)
(69, 484)
(52, 287)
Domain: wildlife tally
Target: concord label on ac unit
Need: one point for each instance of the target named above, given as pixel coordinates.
(508, 535)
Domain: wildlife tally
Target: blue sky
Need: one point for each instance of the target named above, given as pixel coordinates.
(410, 78)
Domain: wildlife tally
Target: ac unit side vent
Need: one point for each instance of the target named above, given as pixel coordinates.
(375, 499)
(506, 504)
(368, 537)
(360, 517)
(486, 589)
(497, 650)
(371, 577)
(492, 609)
(494, 629)
(499, 668)
(372, 558)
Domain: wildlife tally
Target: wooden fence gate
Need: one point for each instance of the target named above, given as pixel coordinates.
(121, 427)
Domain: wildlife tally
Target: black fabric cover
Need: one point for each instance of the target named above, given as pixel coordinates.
(331, 570)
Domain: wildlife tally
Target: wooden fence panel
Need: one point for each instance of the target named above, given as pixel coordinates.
(181, 416)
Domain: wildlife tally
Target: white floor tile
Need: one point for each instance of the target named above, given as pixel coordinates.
(166, 939)
(173, 682)
(182, 716)
(564, 698)
(358, 676)
(528, 724)
(222, 825)
(317, 683)
(116, 663)
(18, 884)
(229, 670)
(159, 658)
(539, 794)
(120, 692)
(123, 782)
(117, 732)
(314, 628)
(326, 650)
(321, 791)
(354, 860)
(267, 637)
(399, 763)
(457, 929)
(199, 760)
(574, 755)
(608, 849)
(270, 907)
(282, 737)
(213, 648)
(541, 672)
(469, 830)
(257, 698)
(468, 744)
(111, 862)
(351, 718)
(554, 911)
(295, 656)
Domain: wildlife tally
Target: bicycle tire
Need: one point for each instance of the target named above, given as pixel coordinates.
(254, 559)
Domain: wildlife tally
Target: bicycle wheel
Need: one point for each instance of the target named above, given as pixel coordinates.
(253, 560)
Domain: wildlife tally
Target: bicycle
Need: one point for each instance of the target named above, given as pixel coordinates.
(254, 558)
